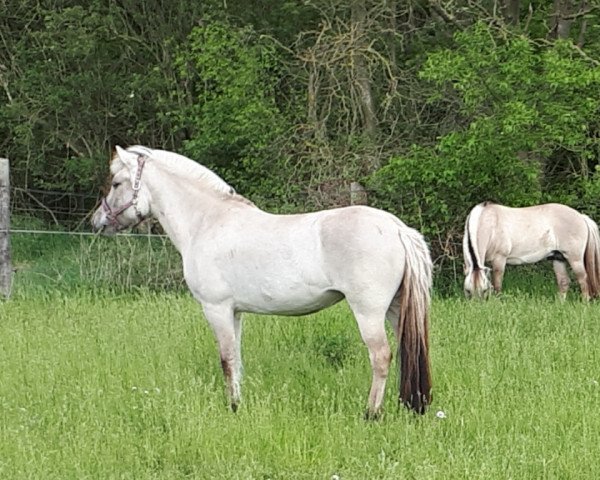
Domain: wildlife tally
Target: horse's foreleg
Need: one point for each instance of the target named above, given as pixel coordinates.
(498, 266)
(372, 330)
(227, 329)
(562, 278)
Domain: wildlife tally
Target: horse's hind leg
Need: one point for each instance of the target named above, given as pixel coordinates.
(578, 268)
(227, 329)
(562, 278)
(372, 330)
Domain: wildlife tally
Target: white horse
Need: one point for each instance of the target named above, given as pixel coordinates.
(501, 235)
(238, 258)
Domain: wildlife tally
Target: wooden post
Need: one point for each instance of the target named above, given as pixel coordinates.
(358, 194)
(5, 262)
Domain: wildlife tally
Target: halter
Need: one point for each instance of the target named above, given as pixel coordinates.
(112, 215)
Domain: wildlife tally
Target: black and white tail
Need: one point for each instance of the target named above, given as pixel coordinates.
(413, 328)
(591, 258)
(476, 279)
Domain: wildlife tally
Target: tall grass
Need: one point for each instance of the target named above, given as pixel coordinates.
(70, 262)
(95, 386)
(128, 263)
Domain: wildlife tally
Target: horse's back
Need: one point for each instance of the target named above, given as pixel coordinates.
(528, 234)
(294, 264)
(537, 217)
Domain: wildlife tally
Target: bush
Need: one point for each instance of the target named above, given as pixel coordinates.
(528, 116)
(234, 120)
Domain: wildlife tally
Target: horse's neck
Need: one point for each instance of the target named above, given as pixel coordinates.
(181, 207)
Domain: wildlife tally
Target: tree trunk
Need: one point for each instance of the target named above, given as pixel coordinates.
(511, 11)
(561, 21)
(391, 36)
(583, 28)
(313, 104)
(361, 71)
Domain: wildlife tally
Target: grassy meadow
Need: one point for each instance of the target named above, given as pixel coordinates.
(100, 381)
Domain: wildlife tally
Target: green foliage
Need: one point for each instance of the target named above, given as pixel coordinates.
(78, 83)
(272, 95)
(522, 107)
(433, 189)
(233, 118)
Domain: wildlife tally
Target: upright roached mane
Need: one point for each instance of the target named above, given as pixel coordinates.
(502, 235)
(238, 258)
(180, 166)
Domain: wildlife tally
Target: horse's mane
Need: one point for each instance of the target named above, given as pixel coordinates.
(187, 168)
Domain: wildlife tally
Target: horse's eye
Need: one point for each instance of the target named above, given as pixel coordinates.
(115, 184)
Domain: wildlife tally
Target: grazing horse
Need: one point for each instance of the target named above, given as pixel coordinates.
(500, 235)
(238, 258)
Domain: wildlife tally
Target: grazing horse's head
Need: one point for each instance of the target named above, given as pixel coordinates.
(477, 282)
(128, 202)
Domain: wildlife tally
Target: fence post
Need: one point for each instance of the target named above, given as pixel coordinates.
(358, 194)
(5, 261)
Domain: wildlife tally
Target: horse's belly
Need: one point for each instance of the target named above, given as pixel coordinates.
(293, 303)
(517, 258)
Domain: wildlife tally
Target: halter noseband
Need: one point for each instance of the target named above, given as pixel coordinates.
(112, 215)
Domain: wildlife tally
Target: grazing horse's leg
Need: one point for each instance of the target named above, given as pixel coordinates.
(498, 266)
(562, 278)
(372, 331)
(581, 275)
(237, 325)
(227, 328)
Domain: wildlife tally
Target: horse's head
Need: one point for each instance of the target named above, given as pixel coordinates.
(128, 201)
(477, 282)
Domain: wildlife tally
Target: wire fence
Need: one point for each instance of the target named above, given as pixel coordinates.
(82, 234)
(136, 258)
(67, 213)
(60, 250)
(67, 210)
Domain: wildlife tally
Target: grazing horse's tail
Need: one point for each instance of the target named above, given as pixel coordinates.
(476, 280)
(591, 258)
(412, 334)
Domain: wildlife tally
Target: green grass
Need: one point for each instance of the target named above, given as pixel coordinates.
(107, 386)
(105, 374)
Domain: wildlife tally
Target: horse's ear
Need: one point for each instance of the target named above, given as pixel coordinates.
(129, 159)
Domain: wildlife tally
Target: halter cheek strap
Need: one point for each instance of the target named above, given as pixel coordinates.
(112, 215)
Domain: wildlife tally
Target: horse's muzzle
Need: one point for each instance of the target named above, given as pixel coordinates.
(99, 223)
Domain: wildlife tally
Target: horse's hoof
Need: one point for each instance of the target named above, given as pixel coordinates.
(234, 407)
(372, 416)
